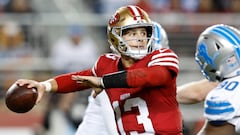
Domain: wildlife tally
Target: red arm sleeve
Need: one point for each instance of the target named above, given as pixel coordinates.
(66, 84)
(149, 77)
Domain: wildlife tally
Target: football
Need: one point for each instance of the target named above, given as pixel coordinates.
(20, 99)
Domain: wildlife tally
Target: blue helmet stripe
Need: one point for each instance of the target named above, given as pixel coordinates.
(234, 37)
(158, 34)
(232, 34)
(225, 35)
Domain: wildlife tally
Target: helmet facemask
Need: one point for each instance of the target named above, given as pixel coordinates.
(208, 70)
(125, 49)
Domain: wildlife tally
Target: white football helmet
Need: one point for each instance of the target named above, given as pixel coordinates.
(160, 37)
(218, 52)
(124, 18)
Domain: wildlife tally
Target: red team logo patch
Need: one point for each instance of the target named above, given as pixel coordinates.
(114, 19)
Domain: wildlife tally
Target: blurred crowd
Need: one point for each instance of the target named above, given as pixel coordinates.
(28, 50)
(165, 6)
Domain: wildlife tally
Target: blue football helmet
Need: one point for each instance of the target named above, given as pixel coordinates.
(160, 37)
(218, 52)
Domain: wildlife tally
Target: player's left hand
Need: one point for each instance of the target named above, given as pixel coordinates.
(92, 81)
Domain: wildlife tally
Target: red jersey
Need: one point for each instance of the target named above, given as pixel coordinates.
(150, 105)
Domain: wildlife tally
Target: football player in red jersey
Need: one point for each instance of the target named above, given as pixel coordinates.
(140, 83)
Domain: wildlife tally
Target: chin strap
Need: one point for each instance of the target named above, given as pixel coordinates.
(114, 50)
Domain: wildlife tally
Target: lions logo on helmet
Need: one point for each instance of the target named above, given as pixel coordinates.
(218, 52)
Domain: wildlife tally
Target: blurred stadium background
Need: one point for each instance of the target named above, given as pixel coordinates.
(43, 22)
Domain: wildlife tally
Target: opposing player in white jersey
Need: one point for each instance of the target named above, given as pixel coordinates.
(218, 55)
(99, 116)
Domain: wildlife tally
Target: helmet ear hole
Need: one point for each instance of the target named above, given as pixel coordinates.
(217, 46)
(149, 31)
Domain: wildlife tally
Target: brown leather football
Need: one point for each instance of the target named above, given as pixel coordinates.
(20, 99)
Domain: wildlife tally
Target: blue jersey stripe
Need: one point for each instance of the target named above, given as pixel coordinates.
(215, 108)
(214, 111)
(217, 104)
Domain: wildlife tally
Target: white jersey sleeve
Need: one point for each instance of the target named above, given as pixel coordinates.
(108, 113)
(222, 103)
(98, 118)
(93, 122)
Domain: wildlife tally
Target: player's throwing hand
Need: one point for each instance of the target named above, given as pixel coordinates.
(94, 82)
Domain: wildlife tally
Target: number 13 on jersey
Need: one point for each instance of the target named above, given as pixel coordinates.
(142, 118)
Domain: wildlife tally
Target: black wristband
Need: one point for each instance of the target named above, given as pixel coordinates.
(116, 80)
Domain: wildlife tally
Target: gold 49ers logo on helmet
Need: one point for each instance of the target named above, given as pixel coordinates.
(114, 19)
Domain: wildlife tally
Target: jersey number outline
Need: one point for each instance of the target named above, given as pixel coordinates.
(229, 85)
(142, 118)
